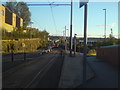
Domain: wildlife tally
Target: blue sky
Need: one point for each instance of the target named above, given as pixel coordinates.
(42, 18)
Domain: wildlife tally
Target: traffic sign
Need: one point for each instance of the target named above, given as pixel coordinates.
(16, 39)
(83, 2)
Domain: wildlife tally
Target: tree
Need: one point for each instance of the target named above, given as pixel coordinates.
(111, 40)
(11, 5)
(22, 10)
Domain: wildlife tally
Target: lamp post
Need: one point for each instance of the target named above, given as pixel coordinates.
(66, 38)
(105, 24)
(68, 32)
(30, 30)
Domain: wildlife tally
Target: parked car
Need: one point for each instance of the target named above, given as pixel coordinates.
(45, 50)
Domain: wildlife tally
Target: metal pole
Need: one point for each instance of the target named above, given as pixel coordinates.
(24, 48)
(12, 47)
(105, 24)
(68, 33)
(74, 44)
(65, 40)
(119, 47)
(71, 30)
(24, 54)
(12, 56)
(111, 32)
(85, 45)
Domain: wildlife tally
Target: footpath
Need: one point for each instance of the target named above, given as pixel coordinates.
(72, 72)
(106, 76)
(99, 74)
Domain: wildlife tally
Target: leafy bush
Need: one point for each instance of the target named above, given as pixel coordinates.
(18, 45)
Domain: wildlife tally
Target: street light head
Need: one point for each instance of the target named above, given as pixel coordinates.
(75, 34)
(104, 9)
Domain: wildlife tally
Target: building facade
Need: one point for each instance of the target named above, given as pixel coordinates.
(90, 41)
(9, 20)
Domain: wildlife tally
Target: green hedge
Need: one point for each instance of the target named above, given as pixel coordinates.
(18, 45)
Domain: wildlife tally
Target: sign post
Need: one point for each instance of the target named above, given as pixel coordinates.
(75, 44)
(85, 41)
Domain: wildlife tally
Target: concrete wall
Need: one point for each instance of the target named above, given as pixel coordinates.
(109, 54)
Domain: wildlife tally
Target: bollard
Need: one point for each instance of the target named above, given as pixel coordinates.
(61, 53)
(24, 56)
(12, 53)
(12, 56)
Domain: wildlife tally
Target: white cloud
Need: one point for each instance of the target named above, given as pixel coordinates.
(109, 25)
(100, 25)
(112, 25)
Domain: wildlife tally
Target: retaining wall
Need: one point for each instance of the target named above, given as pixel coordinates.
(109, 54)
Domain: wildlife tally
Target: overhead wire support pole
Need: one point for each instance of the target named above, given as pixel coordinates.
(105, 24)
(71, 29)
(65, 40)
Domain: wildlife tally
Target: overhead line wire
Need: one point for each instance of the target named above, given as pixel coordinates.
(53, 17)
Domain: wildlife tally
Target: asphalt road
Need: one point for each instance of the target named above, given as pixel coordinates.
(42, 72)
(18, 59)
(19, 56)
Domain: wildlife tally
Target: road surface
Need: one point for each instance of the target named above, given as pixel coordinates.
(42, 72)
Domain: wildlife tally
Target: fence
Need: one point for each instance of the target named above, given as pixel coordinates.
(20, 49)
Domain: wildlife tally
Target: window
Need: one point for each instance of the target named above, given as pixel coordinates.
(17, 21)
(2, 12)
(8, 16)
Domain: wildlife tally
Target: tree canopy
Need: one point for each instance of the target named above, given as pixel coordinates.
(21, 9)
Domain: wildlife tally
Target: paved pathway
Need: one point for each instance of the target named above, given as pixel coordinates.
(99, 74)
(106, 75)
(72, 72)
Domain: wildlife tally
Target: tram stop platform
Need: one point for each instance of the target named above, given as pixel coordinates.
(72, 72)
(99, 74)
